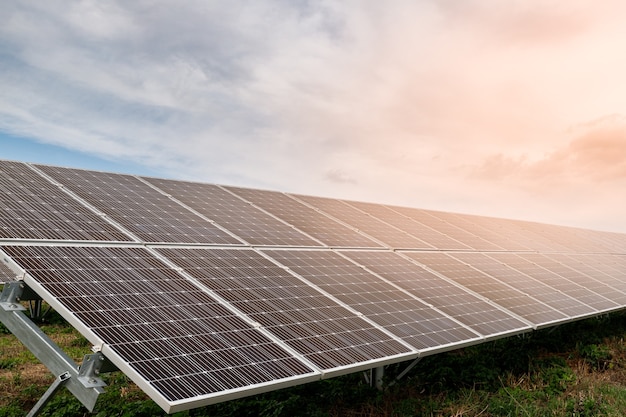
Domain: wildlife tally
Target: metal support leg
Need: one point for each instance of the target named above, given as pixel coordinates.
(49, 353)
(406, 371)
(47, 396)
(379, 373)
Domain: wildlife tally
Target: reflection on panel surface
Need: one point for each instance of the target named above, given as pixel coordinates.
(202, 293)
(235, 215)
(141, 209)
(384, 303)
(308, 220)
(177, 338)
(384, 232)
(471, 270)
(314, 325)
(31, 207)
(456, 301)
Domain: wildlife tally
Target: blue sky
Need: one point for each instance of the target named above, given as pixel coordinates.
(510, 109)
(30, 150)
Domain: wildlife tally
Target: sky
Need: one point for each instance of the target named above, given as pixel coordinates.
(512, 109)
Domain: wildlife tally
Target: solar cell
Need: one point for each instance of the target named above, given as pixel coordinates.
(529, 278)
(494, 230)
(242, 219)
(304, 218)
(383, 232)
(614, 242)
(138, 207)
(466, 268)
(565, 280)
(606, 297)
(398, 311)
(314, 325)
(31, 207)
(598, 267)
(6, 274)
(561, 238)
(170, 336)
(606, 264)
(454, 300)
(418, 230)
(442, 222)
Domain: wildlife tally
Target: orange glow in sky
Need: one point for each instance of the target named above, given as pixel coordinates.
(506, 108)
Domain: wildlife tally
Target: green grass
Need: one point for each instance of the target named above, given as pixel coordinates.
(578, 369)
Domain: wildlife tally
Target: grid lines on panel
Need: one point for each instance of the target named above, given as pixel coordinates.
(516, 272)
(304, 218)
(439, 221)
(180, 340)
(397, 311)
(465, 268)
(583, 287)
(6, 275)
(482, 317)
(144, 211)
(523, 263)
(391, 236)
(430, 236)
(31, 207)
(234, 214)
(318, 328)
(494, 230)
(602, 267)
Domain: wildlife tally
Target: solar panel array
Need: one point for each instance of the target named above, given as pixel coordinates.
(203, 293)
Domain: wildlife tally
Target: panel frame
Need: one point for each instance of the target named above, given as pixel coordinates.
(101, 346)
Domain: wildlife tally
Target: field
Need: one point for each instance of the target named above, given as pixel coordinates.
(578, 369)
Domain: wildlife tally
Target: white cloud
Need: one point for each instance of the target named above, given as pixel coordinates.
(390, 101)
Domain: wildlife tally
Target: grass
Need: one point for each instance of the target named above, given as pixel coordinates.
(578, 369)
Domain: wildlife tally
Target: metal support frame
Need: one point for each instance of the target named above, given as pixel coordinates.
(406, 370)
(47, 396)
(377, 379)
(84, 382)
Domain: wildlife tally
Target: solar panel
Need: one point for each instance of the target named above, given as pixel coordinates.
(484, 318)
(304, 218)
(564, 284)
(171, 337)
(325, 332)
(603, 296)
(469, 269)
(496, 231)
(442, 223)
(430, 236)
(383, 232)
(203, 293)
(147, 213)
(31, 207)
(6, 274)
(391, 307)
(244, 220)
(514, 271)
(594, 266)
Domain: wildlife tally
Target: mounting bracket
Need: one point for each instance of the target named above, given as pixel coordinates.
(83, 383)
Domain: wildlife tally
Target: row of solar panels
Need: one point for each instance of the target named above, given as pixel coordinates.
(192, 324)
(44, 202)
(203, 293)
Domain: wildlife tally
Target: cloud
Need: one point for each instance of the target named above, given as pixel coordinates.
(386, 102)
(338, 176)
(597, 155)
